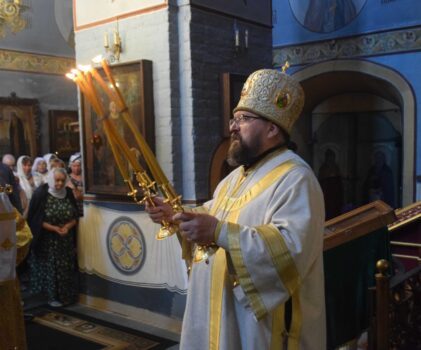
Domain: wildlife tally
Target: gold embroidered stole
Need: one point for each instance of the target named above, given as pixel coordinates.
(230, 208)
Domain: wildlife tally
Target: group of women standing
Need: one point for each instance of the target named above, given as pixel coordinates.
(52, 215)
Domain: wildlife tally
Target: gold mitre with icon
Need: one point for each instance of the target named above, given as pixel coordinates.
(273, 95)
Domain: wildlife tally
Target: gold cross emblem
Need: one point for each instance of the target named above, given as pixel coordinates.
(7, 244)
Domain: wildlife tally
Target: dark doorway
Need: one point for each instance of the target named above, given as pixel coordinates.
(357, 157)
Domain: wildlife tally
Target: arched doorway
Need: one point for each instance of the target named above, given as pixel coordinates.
(360, 85)
(357, 151)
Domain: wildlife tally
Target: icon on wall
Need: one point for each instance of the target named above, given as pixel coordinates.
(64, 133)
(325, 16)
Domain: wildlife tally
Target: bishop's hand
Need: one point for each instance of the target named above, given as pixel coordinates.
(161, 212)
(197, 228)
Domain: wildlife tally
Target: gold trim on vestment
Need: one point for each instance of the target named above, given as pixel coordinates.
(234, 208)
(216, 293)
(23, 240)
(198, 210)
(12, 328)
(281, 257)
(237, 203)
(221, 196)
(265, 159)
(288, 273)
(7, 244)
(246, 282)
(219, 268)
(219, 271)
(20, 221)
(278, 328)
(241, 177)
(7, 216)
(218, 230)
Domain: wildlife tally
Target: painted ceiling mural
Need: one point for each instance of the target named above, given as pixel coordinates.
(325, 16)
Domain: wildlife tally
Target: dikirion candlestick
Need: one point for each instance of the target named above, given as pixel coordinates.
(84, 77)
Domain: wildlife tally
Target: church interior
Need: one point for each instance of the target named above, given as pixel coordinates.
(178, 67)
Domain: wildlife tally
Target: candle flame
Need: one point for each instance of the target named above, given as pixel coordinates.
(97, 59)
(70, 76)
(84, 68)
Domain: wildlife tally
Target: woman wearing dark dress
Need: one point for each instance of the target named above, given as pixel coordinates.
(76, 180)
(52, 218)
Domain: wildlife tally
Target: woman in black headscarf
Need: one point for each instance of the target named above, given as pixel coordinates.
(52, 218)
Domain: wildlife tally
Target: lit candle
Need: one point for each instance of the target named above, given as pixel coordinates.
(246, 38)
(119, 147)
(100, 108)
(81, 81)
(74, 76)
(116, 38)
(120, 100)
(148, 155)
(106, 43)
(110, 93)
(120, 162)
(85, 82)
(88, 95)
(237, 37)
(122, 145)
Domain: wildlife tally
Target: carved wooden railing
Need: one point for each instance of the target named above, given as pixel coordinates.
(396, 310)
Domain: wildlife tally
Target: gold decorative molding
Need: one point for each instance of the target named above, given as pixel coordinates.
(406, 216)
(374, 44)
(35, 63)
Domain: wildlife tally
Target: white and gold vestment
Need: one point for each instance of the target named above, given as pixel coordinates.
(15, 237)
(270, 236)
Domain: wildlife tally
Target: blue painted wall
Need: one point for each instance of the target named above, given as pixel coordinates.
(291, 27)
(409, 66)
(373, 16)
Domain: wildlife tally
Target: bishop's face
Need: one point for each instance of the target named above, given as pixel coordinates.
(247, 132)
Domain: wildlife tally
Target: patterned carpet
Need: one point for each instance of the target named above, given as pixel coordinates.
(50, 330)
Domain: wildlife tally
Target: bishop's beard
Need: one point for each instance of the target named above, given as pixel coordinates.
(240, 153)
